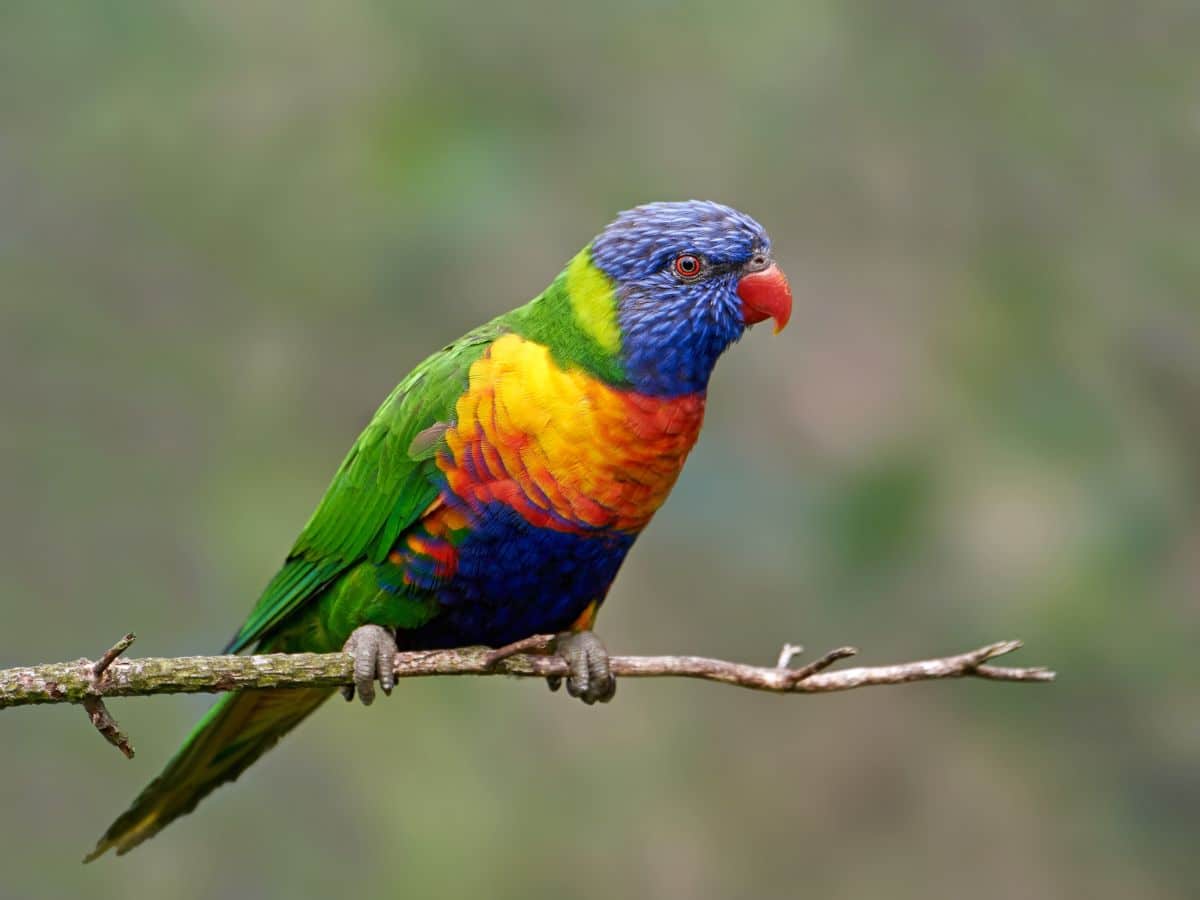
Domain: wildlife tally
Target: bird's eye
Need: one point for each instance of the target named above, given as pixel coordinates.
(688, 266)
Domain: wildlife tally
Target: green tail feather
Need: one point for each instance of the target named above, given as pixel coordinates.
(237, 730)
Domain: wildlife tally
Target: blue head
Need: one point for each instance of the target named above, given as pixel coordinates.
(688, 279)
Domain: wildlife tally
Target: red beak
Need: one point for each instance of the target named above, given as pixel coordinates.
(766, 295)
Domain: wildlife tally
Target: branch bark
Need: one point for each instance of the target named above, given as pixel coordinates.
(89, 683)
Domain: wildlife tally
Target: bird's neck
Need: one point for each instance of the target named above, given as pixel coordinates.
(576, 319)
(663, 353)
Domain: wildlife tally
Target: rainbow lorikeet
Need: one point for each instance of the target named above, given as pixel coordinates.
(497, 490)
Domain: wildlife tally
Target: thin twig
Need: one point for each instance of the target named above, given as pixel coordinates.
(538, 643)
(94, 706)
(107, 725)
(786, 655)
(822, 663)
(111, 654)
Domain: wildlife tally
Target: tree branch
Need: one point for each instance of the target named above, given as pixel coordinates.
(88, 683)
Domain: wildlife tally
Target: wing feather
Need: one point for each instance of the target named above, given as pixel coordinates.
(384, 485)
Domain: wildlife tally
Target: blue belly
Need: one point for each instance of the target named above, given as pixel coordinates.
(514, 580)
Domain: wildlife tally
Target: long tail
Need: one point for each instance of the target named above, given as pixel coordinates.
(237, 730)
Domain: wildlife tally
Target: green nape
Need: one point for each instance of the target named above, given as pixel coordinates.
(576, 317)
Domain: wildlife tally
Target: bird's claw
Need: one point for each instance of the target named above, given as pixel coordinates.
(590, 679)
(374, 650)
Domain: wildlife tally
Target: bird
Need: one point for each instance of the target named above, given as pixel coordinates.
(498, 489)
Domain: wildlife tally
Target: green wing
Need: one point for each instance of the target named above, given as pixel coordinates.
(383, 486)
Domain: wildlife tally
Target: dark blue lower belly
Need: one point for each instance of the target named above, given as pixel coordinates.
(514, 580)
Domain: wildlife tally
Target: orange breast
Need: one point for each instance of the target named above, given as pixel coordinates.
(562, 448)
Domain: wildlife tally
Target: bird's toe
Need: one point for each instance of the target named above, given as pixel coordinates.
(374, 650)
(591, 678)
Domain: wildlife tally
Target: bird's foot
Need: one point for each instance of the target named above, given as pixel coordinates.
(590, 678)
(374, 650)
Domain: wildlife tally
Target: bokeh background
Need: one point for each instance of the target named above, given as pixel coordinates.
(226, 230)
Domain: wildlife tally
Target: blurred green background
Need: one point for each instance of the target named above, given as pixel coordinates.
(226, 230)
